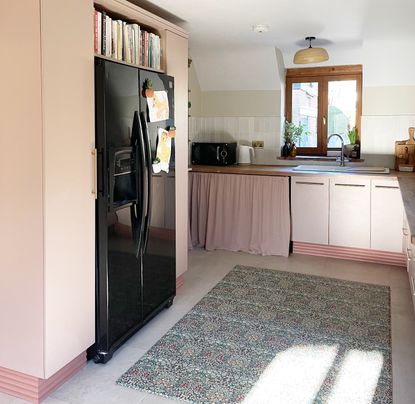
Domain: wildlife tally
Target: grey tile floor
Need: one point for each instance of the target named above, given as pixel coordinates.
(96, 383)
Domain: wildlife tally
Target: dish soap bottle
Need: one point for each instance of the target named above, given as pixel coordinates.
(293, 151)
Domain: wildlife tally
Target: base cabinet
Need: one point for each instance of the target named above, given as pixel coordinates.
(349, 217)
(386, 216)
(346, 211)
(310, 209)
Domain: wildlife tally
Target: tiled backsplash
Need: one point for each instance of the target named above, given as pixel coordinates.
(242, 130)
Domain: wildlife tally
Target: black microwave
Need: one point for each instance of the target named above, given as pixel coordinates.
(214, 154)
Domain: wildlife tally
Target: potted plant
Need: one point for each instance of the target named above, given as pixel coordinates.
(352, 149)
(148, 88)
(292, 136)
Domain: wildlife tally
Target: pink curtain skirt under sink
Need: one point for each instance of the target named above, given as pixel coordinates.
(239, 213)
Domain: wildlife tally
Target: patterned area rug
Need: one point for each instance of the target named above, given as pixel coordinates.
(267, 336)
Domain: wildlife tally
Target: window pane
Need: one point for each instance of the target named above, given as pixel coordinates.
(341, 109)
(305, 111)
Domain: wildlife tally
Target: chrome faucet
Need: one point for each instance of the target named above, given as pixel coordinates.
(342, 152)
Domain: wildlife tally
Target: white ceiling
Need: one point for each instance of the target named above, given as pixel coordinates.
(222, 29)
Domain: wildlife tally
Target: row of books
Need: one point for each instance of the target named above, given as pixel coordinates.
(124, 41)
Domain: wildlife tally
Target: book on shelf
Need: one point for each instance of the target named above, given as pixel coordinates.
(108, 39)
(104, 33)
(136, 31)
(125, 41)
(146, 48)
(119, 40)
(97, 32)
(114, 39)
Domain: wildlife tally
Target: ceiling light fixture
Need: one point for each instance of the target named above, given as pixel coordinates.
(310, 54)
(260, 28)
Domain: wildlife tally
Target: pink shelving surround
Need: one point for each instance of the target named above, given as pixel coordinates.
(349, 253)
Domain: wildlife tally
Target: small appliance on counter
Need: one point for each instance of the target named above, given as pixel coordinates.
(214, 154)
(245, 154)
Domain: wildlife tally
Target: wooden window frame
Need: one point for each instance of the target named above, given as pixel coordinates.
(322, 76)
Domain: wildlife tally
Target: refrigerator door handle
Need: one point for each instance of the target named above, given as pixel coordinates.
(149, 178)
(94, 190)
(141, 190)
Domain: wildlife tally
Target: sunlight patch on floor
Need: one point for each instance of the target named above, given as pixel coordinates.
(358, 377)
(294, 375)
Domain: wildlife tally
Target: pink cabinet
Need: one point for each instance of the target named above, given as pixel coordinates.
(47, 263)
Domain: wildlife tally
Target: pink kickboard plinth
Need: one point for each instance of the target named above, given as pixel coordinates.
(32, 388)
(179, 282)
(349, 253)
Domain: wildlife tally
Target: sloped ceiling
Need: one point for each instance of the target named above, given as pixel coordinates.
(238, 68)
(228, 55)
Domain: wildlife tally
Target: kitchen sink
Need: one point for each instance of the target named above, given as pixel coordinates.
(346, 169)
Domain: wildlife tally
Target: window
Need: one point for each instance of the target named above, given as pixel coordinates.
(325, 100)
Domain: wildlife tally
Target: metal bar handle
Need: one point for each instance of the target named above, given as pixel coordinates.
(94, 190)
(350, 185)
(386, 186)
(309, 183)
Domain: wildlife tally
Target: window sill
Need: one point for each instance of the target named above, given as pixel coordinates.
(318, 158)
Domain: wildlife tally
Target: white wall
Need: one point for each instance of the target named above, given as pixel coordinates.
(388, 97)
(241, 103)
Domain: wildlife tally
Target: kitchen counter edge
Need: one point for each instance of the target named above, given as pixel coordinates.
(287, 171)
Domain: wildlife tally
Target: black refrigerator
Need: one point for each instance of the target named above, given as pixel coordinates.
(135, 208)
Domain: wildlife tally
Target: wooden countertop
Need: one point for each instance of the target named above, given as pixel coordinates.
(407, 187)
(286, 171)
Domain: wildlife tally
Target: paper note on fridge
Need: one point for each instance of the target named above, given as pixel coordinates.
(163, 153)
(158, 106)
